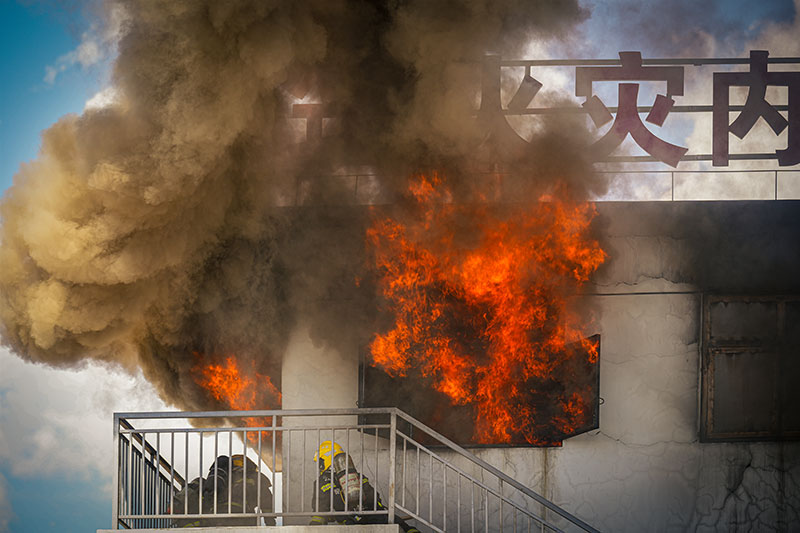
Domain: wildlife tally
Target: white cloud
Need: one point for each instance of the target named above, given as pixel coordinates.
(101, 99)
(88, 53)
(6, 512)
(97, 44)
(60, 421)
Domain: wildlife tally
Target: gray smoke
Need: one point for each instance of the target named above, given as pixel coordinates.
(149, 232)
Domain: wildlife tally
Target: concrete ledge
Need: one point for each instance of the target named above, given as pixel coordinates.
(377, 528)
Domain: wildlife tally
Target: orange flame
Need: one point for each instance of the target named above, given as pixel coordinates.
(237, 390)
(227, 384)
(481, 302)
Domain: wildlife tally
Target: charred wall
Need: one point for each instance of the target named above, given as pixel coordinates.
(744, 247)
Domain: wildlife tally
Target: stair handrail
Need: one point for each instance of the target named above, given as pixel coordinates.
(496, 471)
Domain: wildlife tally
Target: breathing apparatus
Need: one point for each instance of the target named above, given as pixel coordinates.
(342, 469)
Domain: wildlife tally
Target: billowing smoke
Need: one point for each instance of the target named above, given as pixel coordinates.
(148, 233)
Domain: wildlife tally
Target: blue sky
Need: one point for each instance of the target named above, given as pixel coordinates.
(32, 39)
(55, 425)
(58, 503)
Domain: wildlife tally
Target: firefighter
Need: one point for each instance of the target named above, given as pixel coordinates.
(351, 491)
(187, 501)
(188, 498)
(241, 475)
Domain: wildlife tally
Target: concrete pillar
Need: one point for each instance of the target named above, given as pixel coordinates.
(314, 376)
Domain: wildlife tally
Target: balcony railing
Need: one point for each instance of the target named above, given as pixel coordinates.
(171, 475)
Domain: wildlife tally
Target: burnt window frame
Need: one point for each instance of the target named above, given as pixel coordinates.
(779, 347)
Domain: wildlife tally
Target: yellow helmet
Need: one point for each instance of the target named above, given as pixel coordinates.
(324, 456)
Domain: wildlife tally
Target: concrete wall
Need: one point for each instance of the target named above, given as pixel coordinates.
(645, 469)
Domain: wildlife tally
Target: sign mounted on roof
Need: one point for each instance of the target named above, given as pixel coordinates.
(630, 70)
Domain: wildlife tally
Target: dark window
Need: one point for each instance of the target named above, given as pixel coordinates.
(750, 374)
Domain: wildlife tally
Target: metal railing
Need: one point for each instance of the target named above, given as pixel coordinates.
(139, 467)
(428, 481)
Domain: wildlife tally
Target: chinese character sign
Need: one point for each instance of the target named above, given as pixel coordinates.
(756, 107)
(627, 121)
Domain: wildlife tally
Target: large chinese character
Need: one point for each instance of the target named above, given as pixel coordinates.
(627, 119)
(756, 106)
(491, 118)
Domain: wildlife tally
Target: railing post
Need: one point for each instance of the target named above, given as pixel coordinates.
(116, 482)
(392, 462)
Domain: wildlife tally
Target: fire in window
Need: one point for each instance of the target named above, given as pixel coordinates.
(479, 331)
(750, 368)
(573, 382)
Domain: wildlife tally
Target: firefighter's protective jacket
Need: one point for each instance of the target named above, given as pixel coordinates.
(217, 483)
(322, 496)
(367, 500)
